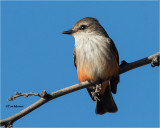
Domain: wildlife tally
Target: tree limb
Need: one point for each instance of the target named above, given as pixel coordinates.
(124, 67)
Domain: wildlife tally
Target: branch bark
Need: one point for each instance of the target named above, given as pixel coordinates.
(153, 59)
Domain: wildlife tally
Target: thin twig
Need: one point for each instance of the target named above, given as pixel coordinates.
(18, 94)
(123, 68)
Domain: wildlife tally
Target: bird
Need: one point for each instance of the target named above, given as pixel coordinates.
(96, 59)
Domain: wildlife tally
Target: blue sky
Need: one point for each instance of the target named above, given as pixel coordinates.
(37, 57)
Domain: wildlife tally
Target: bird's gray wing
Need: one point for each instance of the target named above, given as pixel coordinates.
(115, 79)
(115, 51)
(74, 57)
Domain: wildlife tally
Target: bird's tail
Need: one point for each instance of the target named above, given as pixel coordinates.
(106, 103)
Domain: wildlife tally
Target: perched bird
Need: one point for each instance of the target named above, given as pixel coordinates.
(96, 59)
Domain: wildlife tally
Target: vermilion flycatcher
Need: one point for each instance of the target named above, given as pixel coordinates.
(96, 59)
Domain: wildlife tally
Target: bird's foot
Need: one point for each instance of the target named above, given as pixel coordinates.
(155, 61)
(96, 94)
(98, 88)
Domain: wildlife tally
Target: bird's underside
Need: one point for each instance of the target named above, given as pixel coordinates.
(105, 72)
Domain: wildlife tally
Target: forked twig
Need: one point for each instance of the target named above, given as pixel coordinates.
(18, 94)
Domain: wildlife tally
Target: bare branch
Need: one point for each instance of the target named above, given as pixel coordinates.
(154, 60)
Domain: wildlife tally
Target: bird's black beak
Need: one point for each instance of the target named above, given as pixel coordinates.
(68, 32)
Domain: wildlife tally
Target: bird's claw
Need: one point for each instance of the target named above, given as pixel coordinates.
(155, 61)
(98, 88)
(96, 94)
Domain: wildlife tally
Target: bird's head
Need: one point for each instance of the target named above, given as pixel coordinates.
(86, 26)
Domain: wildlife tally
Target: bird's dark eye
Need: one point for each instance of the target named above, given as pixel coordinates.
(83, 27)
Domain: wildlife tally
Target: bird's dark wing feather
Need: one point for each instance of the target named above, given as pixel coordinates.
(115, 50)
(74, 57)
(115, 79)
